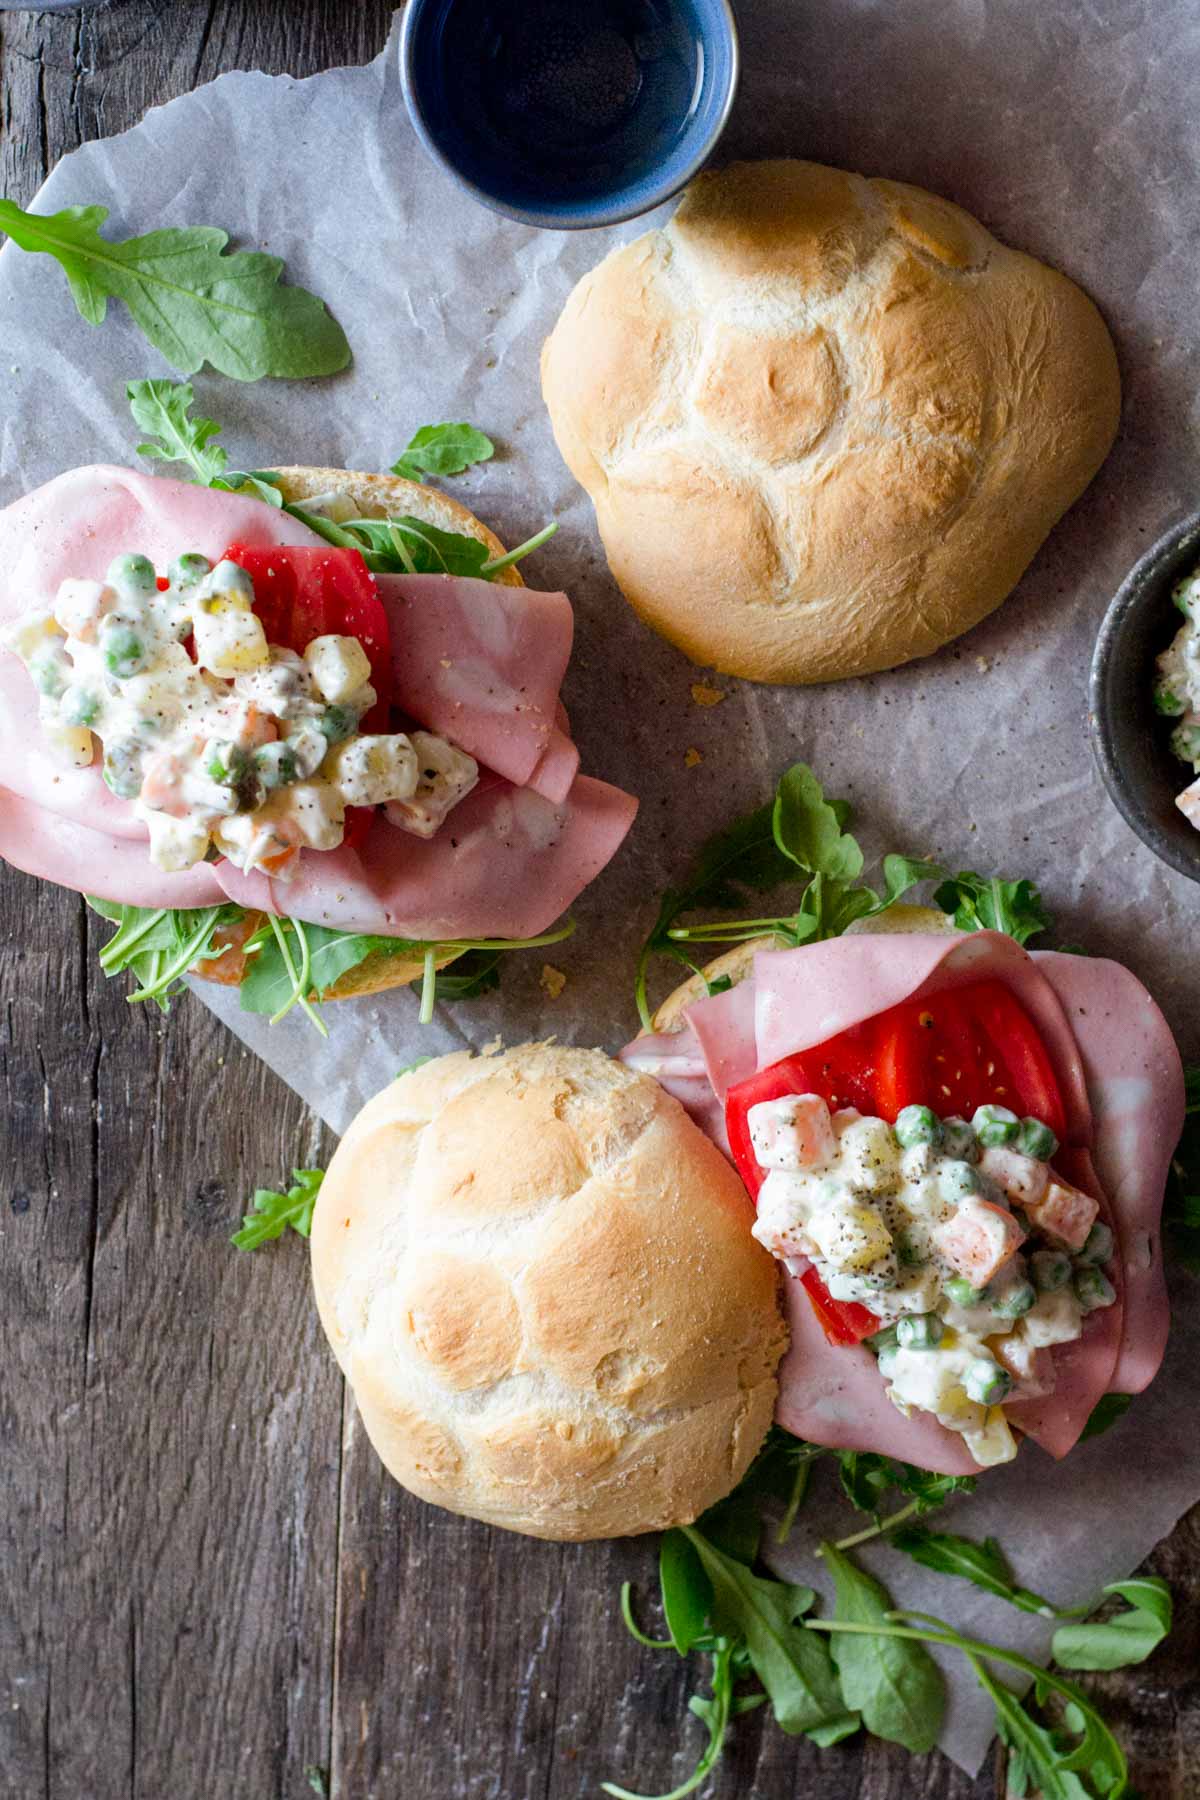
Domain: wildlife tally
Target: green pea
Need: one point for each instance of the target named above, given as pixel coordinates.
(275, 765)
(957, 1181)
(986, 1382)
(1183, 595)
(917, 1125)
(959, 1141)
(47, 673)
(134, 573)
(124, 652)
(883, 1340)
(1093, 1289)
(995, 1126)
(1167, 701)
(224, 761)
(1035, 1139)
(908, 1251)
(920, 1331)
(337, 723)
(1185, 742)
(188, 569)
(1015, 1301)
(959, 1289)
(1098, 1245)
(79, 707)
(887, 1361)
(1051, 1270)
(122, 770)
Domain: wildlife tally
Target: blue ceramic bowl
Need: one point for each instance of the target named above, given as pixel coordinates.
(1128, 736)
(569, 113)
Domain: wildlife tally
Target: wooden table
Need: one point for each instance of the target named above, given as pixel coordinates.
(208, 1588)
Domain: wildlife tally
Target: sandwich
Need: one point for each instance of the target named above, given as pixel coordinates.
(299, 732)
(958, 1150)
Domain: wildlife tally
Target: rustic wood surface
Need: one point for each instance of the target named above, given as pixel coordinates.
(207, 1585)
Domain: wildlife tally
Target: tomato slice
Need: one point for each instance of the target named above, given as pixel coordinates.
(307, 591)
(964, 1048)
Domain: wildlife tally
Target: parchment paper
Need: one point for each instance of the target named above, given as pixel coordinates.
(1072, 131)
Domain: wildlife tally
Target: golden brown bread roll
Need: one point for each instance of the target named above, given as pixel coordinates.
(538, 1276)
(826, 422)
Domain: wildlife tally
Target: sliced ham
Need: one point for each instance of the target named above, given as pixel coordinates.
(482, 665)
(1122, 1086)
(507, 863)
(1135, 1082)
(677, 1063)
(92, 862)
(477, 662)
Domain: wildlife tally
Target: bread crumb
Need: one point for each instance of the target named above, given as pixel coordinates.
(691, 757)
(982, 664)
(706, 696)
(553, 980)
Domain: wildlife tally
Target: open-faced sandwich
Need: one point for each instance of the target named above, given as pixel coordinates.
(272, 752)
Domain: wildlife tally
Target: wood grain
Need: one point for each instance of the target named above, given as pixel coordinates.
(207, 1584)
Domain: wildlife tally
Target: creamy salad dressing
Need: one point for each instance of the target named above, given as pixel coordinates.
(251, 751)
(958, 1236)
(1177, 690)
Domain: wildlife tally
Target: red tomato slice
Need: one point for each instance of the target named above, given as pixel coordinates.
(307, 591)
(964, 1048)
(359, 820)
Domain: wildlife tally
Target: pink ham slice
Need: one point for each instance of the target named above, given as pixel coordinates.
(478, 662)
(676, 1061)
(92, 862)
(1123, 1091)
(507, 863)
(482, 665)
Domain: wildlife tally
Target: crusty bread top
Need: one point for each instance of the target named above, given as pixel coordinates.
(826, 422)
(538, 1276)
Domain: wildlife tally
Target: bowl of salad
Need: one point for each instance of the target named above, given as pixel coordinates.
(1145, 697)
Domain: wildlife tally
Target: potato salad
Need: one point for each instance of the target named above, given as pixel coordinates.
(1177, 690)
(225, 744)
(957, 1235)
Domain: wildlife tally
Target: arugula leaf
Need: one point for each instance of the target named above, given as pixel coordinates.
(163, 409)
(418, 1062)
(730, 1664)
(808, 829)
(1035, 1763)
(1107, 1410)
(686, 1591)
(1128, 1637)
(1013, 907)
(893, 1682)
(271, 1213)
(801, 1685)
(159, 945)
(982, 1564)
(443, 450)
(195, 302)
(866, 1477)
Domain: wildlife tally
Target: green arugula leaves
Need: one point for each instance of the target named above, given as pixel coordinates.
(159, 946)
(194, 301)
(442, 450)
(272, 1213)
(1013, 907)
(983, 1564)
(893, 1683)
(1127, 1637)
(400, 546)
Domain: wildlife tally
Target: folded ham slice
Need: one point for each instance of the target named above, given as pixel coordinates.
(477, 662)
(1122, 1086)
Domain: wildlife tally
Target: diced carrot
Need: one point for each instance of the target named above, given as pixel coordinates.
(1064, 1215)
(978, 1240)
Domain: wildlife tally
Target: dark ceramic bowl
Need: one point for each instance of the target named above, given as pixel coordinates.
(1129, 738)
(569, 113)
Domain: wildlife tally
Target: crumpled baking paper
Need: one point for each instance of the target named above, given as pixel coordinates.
(1072, 132)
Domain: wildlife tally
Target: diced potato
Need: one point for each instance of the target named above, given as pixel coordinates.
(792, 1133)
(445, 776)
(27, 636)
(175, 844)
(1030, 1365)
(993, 1443)
(850, 1234)
(978, 1239)
(72, 744)
(1054, 1319)
(1064, 1215)
(369, 771)
(871, 1156)
(317, 810)
(79, 605)
(1189, 803)
(230, 641)
(339, 666)
(227, 589)
(1023, 1178)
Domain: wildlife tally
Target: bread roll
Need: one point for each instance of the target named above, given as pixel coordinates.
(826, 422)
(374, 497)
(539, 1279)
